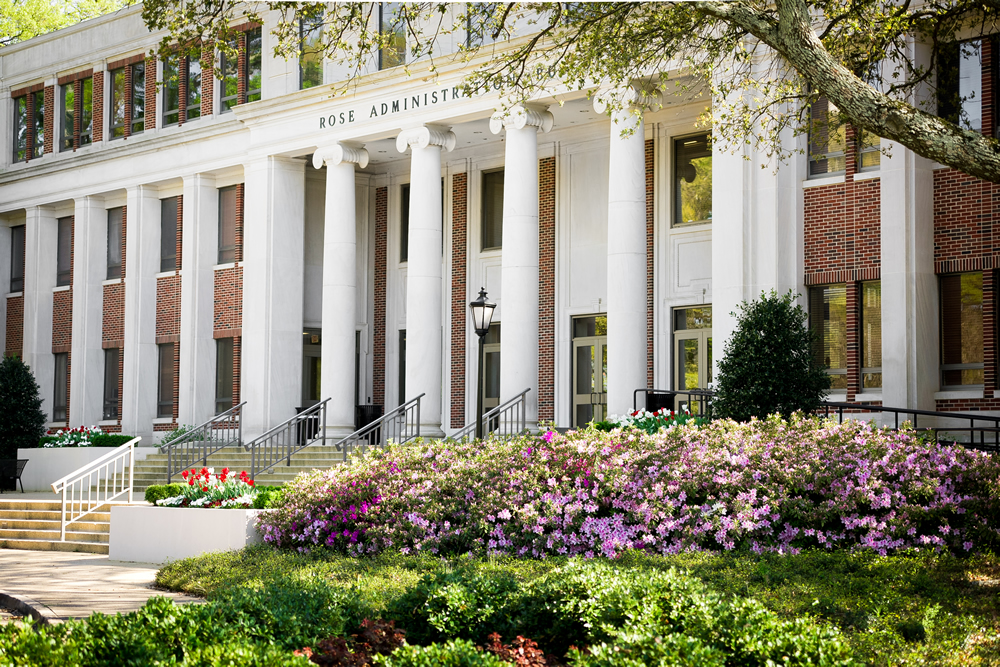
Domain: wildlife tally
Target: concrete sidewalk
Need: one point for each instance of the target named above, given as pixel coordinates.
(59, 585)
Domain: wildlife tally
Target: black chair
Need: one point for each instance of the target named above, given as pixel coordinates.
(10, 473)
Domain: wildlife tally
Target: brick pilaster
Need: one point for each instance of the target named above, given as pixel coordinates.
(50, 105)
(378, 323)
(853, 340)
(546, 287)
(650, 221)
(208, 79)
(150, 110)
(989, 331)
(459, 295)
(180, 231)
(241, 69)
(988, 57)
(240, 194)
(77, 108)
(182, 89)
(98, 108)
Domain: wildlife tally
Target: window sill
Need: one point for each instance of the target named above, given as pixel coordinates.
(223, 267)
(59, 425)
(112, 281)
(61, 288)
(162, 420)
(108, 422)
(13, 295)
(819, 182)
(958, 394)
(868, 397)
(167, 274)
(836, 397)
(867, 175)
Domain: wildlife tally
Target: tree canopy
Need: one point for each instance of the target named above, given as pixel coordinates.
(24, 19)
(763, 62)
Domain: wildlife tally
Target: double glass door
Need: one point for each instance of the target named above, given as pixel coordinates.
(590, 369)
(692, 353)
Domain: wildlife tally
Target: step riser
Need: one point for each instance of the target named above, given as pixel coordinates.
(42, 545)
(52, 535)
(80, 526)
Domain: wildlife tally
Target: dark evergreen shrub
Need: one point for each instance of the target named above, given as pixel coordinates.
(22, 421)
(768, 365)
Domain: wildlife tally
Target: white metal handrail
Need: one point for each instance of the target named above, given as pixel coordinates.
(202, 441)
(399, 425)
(507, 419)
(114, 470)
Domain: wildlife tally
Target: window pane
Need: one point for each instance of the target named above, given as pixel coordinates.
(168, 234)
(869, 151)
(165, 384)
(111, 383)
(20, 129)
(229, 66)
(114, 243)
(960, 83)
(871, 334)
(68, 115)
(118, 98)
(255, 44)
(87, 112)
(828, 318)
(693, 318)
(17, 258)
(390, 25)
(827, 139)
(171, 92)
(962, 329)
(59, 394)
(693, 179)
(138, 97)
(493, 209)
(64, 249)
(227, 225)
(39, 124)
(310, 52)
(193, 88)
(404, 223)
(402, 366)
(223, 374)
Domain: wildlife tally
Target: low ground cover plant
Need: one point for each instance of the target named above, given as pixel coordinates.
(83, 436)
(762, 486)
(205, 488)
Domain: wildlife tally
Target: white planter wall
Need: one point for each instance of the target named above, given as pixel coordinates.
(47, 465)
(146, 534)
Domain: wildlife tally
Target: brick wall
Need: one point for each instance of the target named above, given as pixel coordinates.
(546, 288)
(208, 79)
(228, 302)
(650, 221)
(459, 295)
(49, 123)
(98, 102)
(842, 232)
(168, 313)
(62, 318)
(15, 326)
(113, 325)
(378, 324)
(150, 111)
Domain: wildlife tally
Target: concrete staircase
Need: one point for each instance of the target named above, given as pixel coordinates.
(35, 524)
(153, 469)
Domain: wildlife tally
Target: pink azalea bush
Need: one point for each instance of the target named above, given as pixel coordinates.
(769, 485)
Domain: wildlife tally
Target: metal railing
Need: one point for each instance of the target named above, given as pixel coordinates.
(699, 401)
(506, 420)
(204, 440)
(293, 435)
(398, 425)
(98, 483)
(936, 428)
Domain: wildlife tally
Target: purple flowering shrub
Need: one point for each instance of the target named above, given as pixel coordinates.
(769, 485)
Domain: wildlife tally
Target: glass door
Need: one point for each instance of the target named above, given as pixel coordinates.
(590, 369)
(692, 353)
(312, 358)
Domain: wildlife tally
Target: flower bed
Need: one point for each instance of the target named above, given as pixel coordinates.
(651, 422)
(204, 488)
(83, 436)
(772, 486)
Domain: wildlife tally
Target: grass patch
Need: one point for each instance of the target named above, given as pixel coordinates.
(900, 609)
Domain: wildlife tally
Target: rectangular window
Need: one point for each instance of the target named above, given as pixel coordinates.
(229, 67)
(138, 110)
(171, 92)
(869, 151)
(119, 103)
(165, 380)
(223, 374)
(111, 377)
(227, 225)
(491, 367)
(960, 84)
(252, 73)
(87, 112)
(827, 139)
(871, 334)
(38, 111)
(402, 366)
(828, 320)
(404, 223)
(693, 179)
(59, 394)
(21, 128)
(962, 330)
(77, 113)
(115, 216)
(64, 252)
(393, 51)
(310, 52)
(168, 234)
(492, 209)
(68, 117)
(17, 258)
(193, 102)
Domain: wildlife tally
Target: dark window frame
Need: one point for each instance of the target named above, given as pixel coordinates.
(64, 252)
(227, 251)
(817, 321)
(224, 373)
(491, 221)
(819, 156)
(29, 126)
(402, 366)
(863, 338)
(168, 223)
(404, 223)
(81, 116)
(60, 388)
(677, 146)
(395, 56)
(112, 377)
(307, 28)
(131, 97)
(165, 382)
(17, 243)
(945, 320)
(951, 105)
(114, 245)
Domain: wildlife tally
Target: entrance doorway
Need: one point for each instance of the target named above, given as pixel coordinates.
(692, 352)
(312, 361)
(590, 369)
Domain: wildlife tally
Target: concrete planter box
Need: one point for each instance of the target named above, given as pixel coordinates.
(46, 465)
(146, 534)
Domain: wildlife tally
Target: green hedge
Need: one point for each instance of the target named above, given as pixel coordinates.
(161, 491)
(103, 440)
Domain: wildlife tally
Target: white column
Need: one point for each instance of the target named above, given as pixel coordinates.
(273, 244)
(142, 262)
(518, 304)
(340, 289)
(627, 358)
(40, 238)
(201, 250)
(424, 287)
(90, 252)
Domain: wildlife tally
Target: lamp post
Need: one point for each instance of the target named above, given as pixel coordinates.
(482, 314)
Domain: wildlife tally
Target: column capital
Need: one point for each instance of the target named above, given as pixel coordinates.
(339, 153)
(520, 116)
(424, 136)
(626, 98)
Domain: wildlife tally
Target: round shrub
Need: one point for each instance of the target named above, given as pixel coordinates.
(22, 421)
(161, 491)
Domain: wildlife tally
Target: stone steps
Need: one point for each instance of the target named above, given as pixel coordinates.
(36, 525)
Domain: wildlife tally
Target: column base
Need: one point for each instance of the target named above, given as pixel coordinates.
(431, 431)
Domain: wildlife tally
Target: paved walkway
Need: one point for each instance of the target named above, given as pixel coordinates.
(62, 585)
